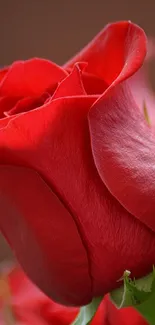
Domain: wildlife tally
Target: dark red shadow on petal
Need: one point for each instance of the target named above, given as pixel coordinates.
(44, 236)
(6, 103)
(27, 104)
(93, 84)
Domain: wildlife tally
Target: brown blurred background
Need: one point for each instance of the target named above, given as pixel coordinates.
(56, 29)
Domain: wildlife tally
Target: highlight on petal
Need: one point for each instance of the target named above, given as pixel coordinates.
(72, 85)
(141, 86)
(44, 236)
(119, 48)
(31, 78)
(123, 147)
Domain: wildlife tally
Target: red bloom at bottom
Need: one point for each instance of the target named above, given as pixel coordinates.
(29, 306)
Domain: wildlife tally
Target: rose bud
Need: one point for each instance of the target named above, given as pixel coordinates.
(77, 168)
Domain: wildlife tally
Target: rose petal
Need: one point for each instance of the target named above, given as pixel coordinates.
(44, 236)
(92, 84)
(123, 147)
(31, 78)
(112, 51)
(72, 85)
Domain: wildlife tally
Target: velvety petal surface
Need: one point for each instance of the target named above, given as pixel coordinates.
(44, 236)
(123, 146)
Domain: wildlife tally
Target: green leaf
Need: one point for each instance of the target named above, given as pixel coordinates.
(87, 313)
(137, 293)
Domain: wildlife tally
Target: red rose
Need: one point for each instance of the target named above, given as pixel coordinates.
(29, 306)
(77, 168)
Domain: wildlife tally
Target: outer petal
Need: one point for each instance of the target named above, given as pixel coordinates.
(123, 147)
(58, 147)
(44, 236)
(120, 47)
(31, 78)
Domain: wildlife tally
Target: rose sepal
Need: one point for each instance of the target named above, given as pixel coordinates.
(139, 294)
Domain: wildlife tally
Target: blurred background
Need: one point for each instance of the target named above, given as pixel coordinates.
(56, 29)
